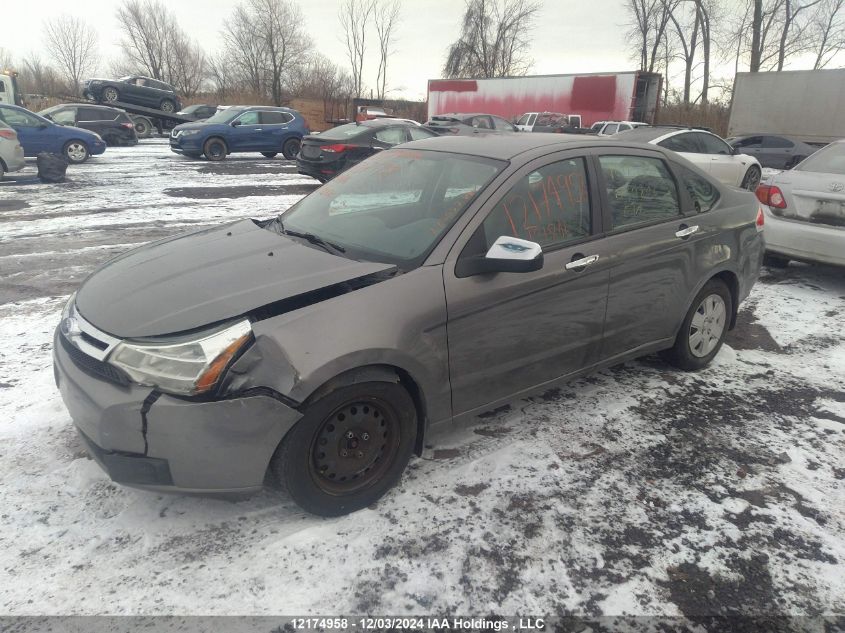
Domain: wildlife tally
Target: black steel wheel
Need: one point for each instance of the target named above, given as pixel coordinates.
(350, 447)
(215, 149)
(291, 148)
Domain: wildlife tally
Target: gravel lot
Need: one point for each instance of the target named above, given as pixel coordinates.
(641, 490)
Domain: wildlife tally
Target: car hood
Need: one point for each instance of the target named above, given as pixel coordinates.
(197, 125)
(72, 129)
(194, 280)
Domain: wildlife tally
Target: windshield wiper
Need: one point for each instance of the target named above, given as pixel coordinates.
(314, 239)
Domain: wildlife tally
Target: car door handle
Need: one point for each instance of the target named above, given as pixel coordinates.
(685, 231)
(582, 263)
(258, 129)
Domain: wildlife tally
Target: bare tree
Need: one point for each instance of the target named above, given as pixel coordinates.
(6, 59)
(494, 39)
(386, 20)
(40, 78)
(282, 34)
(186, 65)
(354, 17)
(147, 28)
(73, 46)
(827, 32)
(792, 11)
(648, 29)
(244, 50)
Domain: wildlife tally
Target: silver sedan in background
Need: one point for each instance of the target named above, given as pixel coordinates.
(11, 151)
(805, 210)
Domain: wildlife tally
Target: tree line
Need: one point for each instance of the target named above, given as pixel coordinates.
(264, 52)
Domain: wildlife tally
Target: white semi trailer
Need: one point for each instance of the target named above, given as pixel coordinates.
(808, 105)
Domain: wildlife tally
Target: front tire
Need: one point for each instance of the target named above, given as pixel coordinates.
(269, 154)
(143, 127)
(291, 148)
(215, 149)
(752, 178)
(110, 94)
(349, 449)
(76, 152)
(704, 328)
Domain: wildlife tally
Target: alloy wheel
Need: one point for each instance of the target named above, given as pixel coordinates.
(77, 152)
(110, 94)
(752, 179)
(707, 326)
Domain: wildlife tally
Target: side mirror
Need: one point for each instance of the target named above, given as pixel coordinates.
(235, 123)
(43, 126)
(507, 255)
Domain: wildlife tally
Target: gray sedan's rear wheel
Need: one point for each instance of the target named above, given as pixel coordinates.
(704, 328)
(76, 151)
(291, 148)
(110, 94)
(350, 448)
(752, 178)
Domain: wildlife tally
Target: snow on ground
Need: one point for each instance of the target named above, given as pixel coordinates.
(641, 490)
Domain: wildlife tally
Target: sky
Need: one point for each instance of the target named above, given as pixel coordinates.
(566, 38)
(569, 36)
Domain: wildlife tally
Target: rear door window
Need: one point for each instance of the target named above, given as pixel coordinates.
(550, 206)
(502, 125)
(750, 142)
(275, 118)
(712, 144)
(418, 133)
(391, 135)
(640, 190)
(704, 195)
(94, 114)
(485, 123)
(531, 119)
(682, 143)
(777, 142)
(610, 128)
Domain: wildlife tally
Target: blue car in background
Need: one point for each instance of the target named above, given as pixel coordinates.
(37, 134)
(263, 129)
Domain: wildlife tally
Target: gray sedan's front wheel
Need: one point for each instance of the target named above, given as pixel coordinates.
(704, 328)
(349, 449)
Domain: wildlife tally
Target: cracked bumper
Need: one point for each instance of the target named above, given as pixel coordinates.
(220, 446)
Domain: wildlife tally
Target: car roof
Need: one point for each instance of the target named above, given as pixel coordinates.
(508, 146)
(459, 114)
(646, 133)
(263, 107)
(383, 121)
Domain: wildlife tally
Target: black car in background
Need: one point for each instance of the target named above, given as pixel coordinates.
(112, 124)
(199, 112)
(777, 152)
(465, 124)
(324, 156)
(142, 91)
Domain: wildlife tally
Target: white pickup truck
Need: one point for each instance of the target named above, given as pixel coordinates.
(9, 91)
(546, 121)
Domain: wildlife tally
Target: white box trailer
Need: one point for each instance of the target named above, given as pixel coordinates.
(626, 96)
(808, 105)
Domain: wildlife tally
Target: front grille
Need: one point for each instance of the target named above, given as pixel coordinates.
(92, 366)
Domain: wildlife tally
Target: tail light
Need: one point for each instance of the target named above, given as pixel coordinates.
(454, 130)
(761, 219)
(9, 134)
(771, 196)
(128, 126)
(335, 148)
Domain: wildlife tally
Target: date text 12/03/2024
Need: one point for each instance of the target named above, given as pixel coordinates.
(432, 623)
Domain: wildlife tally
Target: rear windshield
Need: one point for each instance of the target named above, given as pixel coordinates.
(828, 160)
(395, 206)
(343, 131)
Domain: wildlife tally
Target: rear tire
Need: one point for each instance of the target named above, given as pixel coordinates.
(291, 148)
(215, 149)
(269, 154)
(752, 178)
(168, 106)
(775, 261)
(76, 152)
(143, 128)
(704, 328)
(349, 449)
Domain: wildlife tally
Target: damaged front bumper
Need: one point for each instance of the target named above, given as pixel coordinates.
(150, 440)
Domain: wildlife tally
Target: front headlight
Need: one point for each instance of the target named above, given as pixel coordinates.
(68, 306)
(189, 132)
(187, 366)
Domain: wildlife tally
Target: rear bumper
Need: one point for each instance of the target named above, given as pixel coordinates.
(317, 169)
(16, 160)
(804, 241)
(158, 442)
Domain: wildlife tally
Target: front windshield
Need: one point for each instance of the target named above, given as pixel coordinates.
(224, 116)
(395, 206)
(828, 160)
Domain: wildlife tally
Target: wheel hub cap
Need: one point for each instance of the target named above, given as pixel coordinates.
(707, 326)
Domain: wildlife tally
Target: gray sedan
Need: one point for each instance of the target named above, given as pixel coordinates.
(427, 284)
(805, 210)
